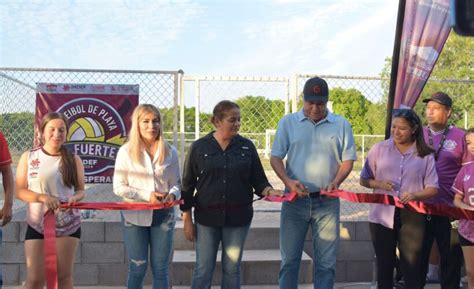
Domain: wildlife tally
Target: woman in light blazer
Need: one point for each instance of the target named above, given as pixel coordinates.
(147, 170)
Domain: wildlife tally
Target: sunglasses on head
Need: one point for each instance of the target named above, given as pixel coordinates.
(403, 112)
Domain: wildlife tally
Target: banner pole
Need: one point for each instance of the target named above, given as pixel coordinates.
(394, 70)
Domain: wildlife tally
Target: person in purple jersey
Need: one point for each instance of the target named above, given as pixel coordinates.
(464, 198)
(450, 153)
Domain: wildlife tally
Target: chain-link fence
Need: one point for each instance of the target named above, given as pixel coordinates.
(18, 95)
(263, 101)
(187, 102)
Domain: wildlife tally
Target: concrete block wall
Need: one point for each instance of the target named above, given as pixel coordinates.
(101, 256)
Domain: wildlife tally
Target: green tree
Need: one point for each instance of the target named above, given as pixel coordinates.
(258, 113)
(456, 62)
(18, 129)
(353, 105)
(453, 74)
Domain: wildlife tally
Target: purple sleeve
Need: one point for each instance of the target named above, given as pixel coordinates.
(466, 155)
(368, 170)
(458, 185)
(431, 177)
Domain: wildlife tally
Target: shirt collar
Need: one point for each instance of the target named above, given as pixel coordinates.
(329, 117)
(210, 138)
(410, 151)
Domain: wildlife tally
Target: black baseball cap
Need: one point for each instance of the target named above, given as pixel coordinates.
(316, 89)
(441, 98)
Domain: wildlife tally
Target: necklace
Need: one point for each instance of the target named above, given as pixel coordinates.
(441, 143)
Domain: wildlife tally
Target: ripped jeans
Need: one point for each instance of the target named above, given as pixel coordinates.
(158, 239)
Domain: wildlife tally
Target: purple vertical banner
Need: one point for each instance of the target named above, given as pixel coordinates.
(425, 30)
(99, 118)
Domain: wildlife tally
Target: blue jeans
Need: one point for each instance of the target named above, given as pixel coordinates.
(322, 215)
(159, 239)
(207, 244)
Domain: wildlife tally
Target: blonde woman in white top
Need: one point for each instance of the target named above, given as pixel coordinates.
(147, 170)
(45, 177)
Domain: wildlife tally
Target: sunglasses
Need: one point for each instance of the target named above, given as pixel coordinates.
(403, 112)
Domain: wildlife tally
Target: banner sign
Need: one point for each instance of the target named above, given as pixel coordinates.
(98, 118)
(425, 30)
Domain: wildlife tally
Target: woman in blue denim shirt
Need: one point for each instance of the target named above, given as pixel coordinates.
(147, 170)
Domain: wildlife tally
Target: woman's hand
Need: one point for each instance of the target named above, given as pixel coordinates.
(72, 200)
(52, 203)
(385, 185)
(169, 198)
(157, 197)
(406, 197)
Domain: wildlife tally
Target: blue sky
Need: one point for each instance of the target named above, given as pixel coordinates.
(259, 37)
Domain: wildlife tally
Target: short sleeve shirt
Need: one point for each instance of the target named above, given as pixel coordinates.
(5, 157)
(452, 155)
(464, 185)
(407, 171)
(314, 151)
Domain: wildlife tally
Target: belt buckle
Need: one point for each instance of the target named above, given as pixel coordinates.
(315, 195)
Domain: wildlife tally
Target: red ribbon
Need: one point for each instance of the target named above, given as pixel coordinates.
(416, 206)
(290, 197)
(50, 257)
(50, 260)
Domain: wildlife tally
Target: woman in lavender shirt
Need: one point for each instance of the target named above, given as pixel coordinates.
(464, 188)
(402, 166)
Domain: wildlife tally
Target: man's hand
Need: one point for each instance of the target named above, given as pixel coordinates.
(189, 229)
(332, 186)
(297, 187)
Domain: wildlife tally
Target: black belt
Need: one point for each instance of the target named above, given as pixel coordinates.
(315, 195)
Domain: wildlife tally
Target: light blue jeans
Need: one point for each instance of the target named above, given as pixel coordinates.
(322, 215)
(207, 244)
(158, 239)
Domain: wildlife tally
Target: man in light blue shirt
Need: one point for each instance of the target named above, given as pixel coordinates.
(320, 151)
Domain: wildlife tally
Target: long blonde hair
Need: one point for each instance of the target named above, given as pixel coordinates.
(135, 141)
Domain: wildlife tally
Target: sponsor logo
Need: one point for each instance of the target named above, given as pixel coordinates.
(449, 145)
(467, 178)
(78, 86)
(34, 164)
(51, 87)
(99, 88)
